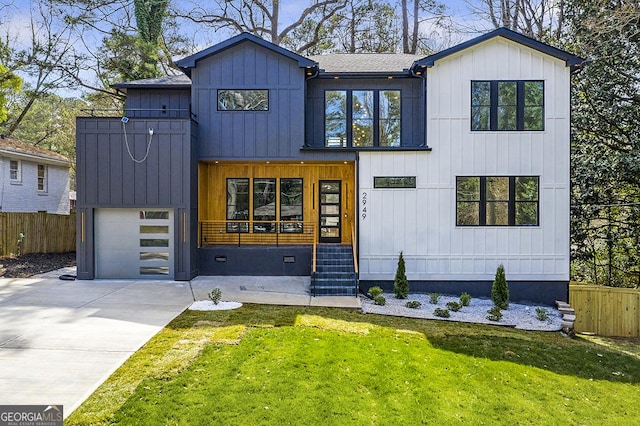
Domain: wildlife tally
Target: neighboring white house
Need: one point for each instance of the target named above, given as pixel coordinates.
(32, 179)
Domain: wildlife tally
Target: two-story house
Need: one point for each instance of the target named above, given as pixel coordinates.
(32, 179)
(259, 161)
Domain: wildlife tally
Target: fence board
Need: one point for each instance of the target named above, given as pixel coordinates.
(606, 311)
(43, 233)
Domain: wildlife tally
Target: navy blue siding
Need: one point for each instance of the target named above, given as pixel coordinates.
(161, 103)
(243, 135)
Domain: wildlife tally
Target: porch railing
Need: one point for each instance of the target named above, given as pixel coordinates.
(249, 232)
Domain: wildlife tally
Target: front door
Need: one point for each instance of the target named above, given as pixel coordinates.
(330, 211)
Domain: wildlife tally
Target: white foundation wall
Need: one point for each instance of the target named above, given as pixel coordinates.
(421, 222)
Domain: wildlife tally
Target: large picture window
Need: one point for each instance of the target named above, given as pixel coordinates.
(362, 118)
(507, 105)
(243, 100)
(256, 199)
(497, 201)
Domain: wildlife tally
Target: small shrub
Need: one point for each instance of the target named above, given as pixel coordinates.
(542, 313)
(379, 300)
(375, 291)
(454, 306)
(434, 297)
(400, 283)
(465, 299)
(413, 304)
(215, 295)
(442, 313)
(500, 289)
(494, 314)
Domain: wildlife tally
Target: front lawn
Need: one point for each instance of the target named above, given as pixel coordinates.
(299, 365)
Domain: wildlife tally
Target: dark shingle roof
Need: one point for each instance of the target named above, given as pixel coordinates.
(15, 147)
(365, 62)
(170, 81)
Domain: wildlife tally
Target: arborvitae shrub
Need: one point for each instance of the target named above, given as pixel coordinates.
(400, 283)
(500, 289)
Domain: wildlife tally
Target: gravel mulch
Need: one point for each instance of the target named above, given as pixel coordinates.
(31, 264)
(518, 316)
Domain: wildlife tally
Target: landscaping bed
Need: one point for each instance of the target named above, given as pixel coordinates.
(34, 263)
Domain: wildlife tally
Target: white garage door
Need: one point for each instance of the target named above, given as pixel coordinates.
(134, 243)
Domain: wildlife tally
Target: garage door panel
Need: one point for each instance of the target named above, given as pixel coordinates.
(134, 243)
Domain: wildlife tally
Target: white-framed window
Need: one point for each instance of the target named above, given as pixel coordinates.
(42, 178)
(15, 171)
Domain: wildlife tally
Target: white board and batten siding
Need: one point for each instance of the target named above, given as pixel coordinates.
(421, 222)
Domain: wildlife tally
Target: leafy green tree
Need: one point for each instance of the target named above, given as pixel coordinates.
(400, 283)
(605, 178)
(500, 289)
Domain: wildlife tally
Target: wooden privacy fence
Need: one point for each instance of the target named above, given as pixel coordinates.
(606, 311)
(43, 233)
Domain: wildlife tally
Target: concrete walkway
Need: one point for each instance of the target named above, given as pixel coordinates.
(59, 340)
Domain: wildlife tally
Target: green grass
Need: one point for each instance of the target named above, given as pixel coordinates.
(300, 365)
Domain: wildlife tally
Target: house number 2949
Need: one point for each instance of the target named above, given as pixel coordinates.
(364, 205)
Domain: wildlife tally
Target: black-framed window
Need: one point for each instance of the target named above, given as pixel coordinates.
(243, 100)
(497, 200)
(394, 181)
(362, 118)
(264, 204)
(507, 105)
(291, 197)
(237, 203)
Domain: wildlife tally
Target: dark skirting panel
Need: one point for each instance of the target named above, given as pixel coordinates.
(541, 292)
(255, 260)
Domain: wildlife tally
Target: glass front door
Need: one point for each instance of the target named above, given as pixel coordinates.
(330, 211)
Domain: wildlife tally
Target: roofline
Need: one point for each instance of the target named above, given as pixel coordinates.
(185, 64)
(364, 74)
(572, 61)
(32, 156)
(125, 86)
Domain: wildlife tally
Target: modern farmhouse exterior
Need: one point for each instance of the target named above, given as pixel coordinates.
(259, 161)
(32, 179)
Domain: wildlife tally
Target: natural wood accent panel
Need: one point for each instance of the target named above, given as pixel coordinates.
(212, 178)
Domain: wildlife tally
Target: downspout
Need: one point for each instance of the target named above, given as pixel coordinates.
(422, 74)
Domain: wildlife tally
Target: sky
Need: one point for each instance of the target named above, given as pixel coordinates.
(15, 17)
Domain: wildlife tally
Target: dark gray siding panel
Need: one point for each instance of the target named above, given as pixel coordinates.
(413, 111)
(154, 102)
(108, 176)
(244, 135)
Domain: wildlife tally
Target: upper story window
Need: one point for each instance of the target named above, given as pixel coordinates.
(497, 200)
(507, 105)
(362, 118)
(42, 178)
(15, 172)
(243, 100)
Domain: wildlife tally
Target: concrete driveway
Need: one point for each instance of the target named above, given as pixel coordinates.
(59, 340)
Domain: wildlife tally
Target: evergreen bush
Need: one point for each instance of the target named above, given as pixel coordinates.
(500, 289)
(465, 299)
(375, 291)
(379, 300)
(400, 283)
